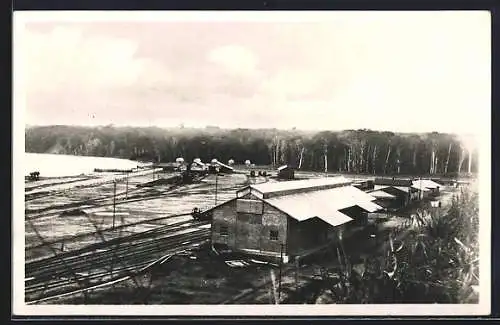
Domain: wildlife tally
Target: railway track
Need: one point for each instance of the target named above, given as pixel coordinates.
(108, 201)
(101, 262)
(66, 239)
(29, 195)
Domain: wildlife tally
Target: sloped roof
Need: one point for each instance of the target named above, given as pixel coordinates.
(336, 219)
(323, 203)
(224, 165)
(282, 167)
(379, 194)
(425, 183)
(199, 163)
(305, 185)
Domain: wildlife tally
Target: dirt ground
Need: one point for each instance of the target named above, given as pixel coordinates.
(201, 277)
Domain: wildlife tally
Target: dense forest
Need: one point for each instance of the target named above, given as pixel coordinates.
(351, 151)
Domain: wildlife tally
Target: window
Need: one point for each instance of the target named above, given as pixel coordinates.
(273, 235)
(223, 230)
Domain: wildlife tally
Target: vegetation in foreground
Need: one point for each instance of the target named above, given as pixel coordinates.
(435, 259)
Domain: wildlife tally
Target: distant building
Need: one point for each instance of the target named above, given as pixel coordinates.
(426, 187)
(401, 192)
(364, 185)
(293, 218)
(169, 167)
(218, 167)
(286, 172)
(198, 167)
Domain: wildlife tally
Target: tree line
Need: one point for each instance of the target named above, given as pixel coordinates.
(348, 151)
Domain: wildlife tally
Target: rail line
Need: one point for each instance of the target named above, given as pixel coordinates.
(29, 195)
(66, 239)
(99, 262)
(102, 202)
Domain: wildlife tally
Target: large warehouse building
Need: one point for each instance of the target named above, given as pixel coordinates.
(290, 218)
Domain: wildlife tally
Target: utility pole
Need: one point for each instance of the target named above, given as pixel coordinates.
(420, 191)
(296, 274)
(216, 180)
(114, 202)
(281, 263)
(126, 188)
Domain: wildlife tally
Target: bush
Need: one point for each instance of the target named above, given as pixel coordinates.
(434, 260)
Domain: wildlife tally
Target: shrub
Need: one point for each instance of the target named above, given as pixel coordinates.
(434, 259)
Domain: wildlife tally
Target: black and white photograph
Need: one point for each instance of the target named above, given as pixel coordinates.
(252, 163)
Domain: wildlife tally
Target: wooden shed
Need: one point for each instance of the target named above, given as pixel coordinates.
(218, 167)
(289, 219)
(401, 190)
(426, 188)
(286, 172)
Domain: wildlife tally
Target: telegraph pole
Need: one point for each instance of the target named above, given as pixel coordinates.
(126, 188)
(281, 263)
(216, 180)
(114, 202)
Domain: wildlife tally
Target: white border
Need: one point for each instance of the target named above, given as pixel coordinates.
(20, 308)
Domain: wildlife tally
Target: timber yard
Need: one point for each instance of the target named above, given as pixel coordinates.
(209, 233)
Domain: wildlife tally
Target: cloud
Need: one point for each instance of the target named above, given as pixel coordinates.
(428, 72)
(67, 58)
(235, 59)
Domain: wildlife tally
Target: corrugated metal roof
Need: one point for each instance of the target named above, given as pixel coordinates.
(282, 167)
(368, 206)
(224, 165)
(324, 203)
(337, 219)
(306, 184)
(425, 183)
(381, 195)
(402, 188)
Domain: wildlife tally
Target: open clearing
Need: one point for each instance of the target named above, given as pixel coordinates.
(198, 277)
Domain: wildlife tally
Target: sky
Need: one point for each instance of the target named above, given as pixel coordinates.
(394, 71)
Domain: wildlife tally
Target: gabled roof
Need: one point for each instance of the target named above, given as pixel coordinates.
(224, 165)
(380, 194)
(336, 219)
(323, 203)
(199, 163)
(300, 186)
(425, 183)
(393, 182)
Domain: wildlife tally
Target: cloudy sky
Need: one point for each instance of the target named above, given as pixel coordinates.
(387, 71)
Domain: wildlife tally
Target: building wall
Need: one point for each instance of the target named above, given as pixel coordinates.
(248, 228)
(307, 235)
(402, 198)
(224, 216)
(286, 174)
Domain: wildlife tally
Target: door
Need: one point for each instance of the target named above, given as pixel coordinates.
(248, 231)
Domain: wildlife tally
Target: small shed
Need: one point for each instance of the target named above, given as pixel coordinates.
(426, 187)
(286, 172)
(365, 185)
(199, 166)
(402, 189)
